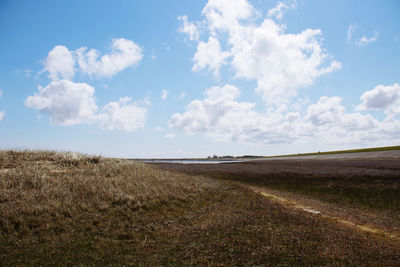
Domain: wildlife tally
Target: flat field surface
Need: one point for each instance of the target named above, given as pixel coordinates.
(68, 209)
(367, 183)
(364, 192)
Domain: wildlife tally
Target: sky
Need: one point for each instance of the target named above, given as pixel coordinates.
(171, 79)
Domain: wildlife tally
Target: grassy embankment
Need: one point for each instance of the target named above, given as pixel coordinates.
(61, 209)
(372, 149)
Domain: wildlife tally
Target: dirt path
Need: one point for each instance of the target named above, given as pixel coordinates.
(356, 219)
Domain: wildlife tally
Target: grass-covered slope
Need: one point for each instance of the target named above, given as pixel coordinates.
(57, 202)
(67, 209)
(372, 149)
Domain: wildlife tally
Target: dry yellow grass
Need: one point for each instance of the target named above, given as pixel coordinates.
(39, 184)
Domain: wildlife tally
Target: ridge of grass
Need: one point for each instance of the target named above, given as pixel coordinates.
(372, 149)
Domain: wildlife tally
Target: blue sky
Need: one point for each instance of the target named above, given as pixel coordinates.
(197, 78)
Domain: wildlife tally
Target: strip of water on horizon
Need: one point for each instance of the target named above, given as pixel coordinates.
(188, 161)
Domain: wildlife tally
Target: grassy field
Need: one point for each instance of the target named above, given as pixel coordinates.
(373, 149)
(366, 183)
(69, 209)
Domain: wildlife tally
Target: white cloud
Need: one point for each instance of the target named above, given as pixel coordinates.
(123, 115)
(280, 62)
(280, 9)
(70, 103)
(66, 102)
(226, 14)
(292, 116)
(164, 94)
(1, 93)
(350, 31)
(209, 55)
(222, 117)
(169, 136)
(60, 63)
(124, 53)
(331, 124)
(189, 28)
(329, 111)
(205, 115)
(382, 97)
(367, 40)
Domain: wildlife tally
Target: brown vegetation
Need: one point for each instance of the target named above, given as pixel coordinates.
(69, 209)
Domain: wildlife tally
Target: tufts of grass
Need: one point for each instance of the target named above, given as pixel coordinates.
(48, 195)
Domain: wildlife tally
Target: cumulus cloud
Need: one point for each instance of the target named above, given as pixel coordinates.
(66, 102)
(222, 117)
(280, 9)
(225, 14)
(330, 123)
(364, 40)
(164, 94)
(205, 115)
(189, 28)
(70, 103)
(209, 56)
(330, 111)
(123, 115)
(386, 98)
(280, 62)
(60, 63)
(292, 116)
(124, 53)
